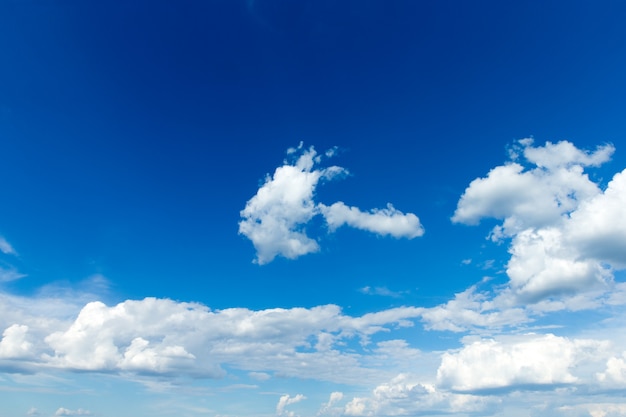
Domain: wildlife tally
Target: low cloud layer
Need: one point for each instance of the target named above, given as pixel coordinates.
(275, 219)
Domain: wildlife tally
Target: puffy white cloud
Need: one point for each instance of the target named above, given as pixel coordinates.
(404, 395)
(615, 373)
(567, 235)
(535, 197)
(517, 362)
(598, 227)
(387, 221)
(331, 408)
(161, 336)
(6, 248)
(286, 400)
(14, 343)
(275, 218)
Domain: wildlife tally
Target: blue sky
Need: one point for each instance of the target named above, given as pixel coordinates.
(312, 208)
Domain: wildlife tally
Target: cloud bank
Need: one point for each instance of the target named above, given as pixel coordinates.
(275, 219)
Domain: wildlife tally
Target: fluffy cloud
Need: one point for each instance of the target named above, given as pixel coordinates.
(404, 395)
(567, 235)
(615, 373)
(387, 221)
(517, 362)
(164, 337)
(276, 217)
(286, 400)
(14, 343)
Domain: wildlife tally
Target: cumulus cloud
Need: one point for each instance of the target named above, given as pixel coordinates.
(14, 343)
(388, 221)
(275, 219)
(405, 395)
(163, 337)
(518, 362)
(286, 400)
(567, 234)
(615, 373)
(331, 408)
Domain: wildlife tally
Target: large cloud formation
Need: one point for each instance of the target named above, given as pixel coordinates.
(567, 234)
(276, 217)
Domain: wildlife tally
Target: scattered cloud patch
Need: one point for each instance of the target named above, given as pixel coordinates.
(275, 219)
(6, 248)
(382, 291)
(286, 400)
(67, 412)
(11, 274)
(405, 395)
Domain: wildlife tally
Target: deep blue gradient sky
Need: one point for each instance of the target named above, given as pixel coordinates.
(133, 134)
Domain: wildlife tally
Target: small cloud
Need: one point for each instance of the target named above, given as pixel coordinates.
(67, 412)
(259, 376)
(466, 261)
(6, 248)
(382, 291)
(33, 412)
(286, 400)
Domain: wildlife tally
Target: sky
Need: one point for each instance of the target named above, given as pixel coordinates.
(294, 208)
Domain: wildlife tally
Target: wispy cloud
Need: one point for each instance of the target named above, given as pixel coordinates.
(6, 248)
(10, 274)
(382, 291)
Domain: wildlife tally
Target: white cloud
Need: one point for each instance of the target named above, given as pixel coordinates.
(382, 291)
(615, 373)
(11, 274)
(405, 395)
(6, 248)
(567, 235)
(164, 337)
(516, 362)
(14, 343)
(286, 400)
(33, 412)
(276, 217)
(331, 408)
(67, 412)
(388, 221)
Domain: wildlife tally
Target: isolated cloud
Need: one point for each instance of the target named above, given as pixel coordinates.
(286, 400)
(276, 217)
(567, 234)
